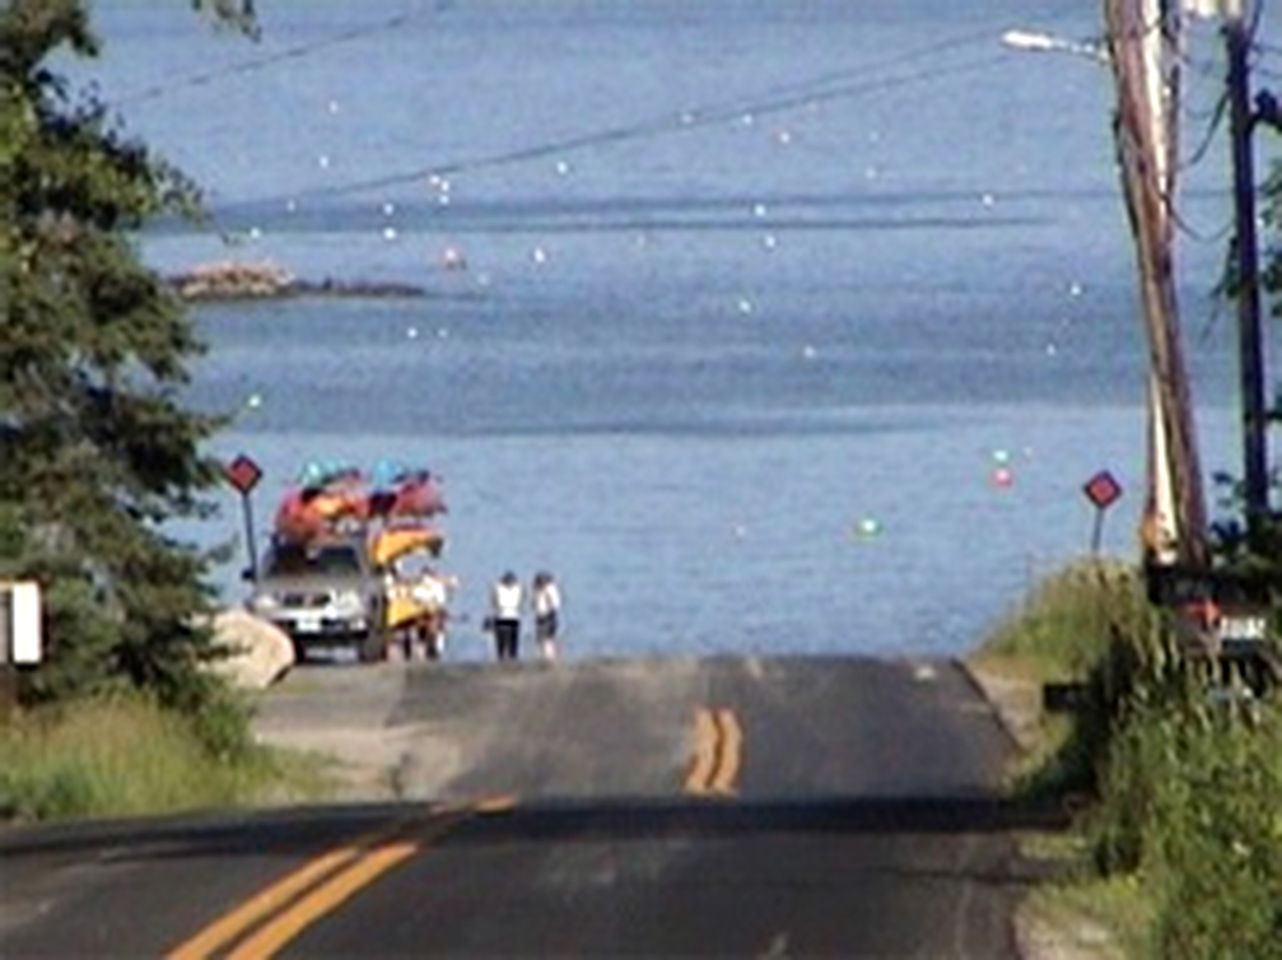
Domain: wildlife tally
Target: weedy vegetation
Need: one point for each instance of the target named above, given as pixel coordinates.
(1179, 773)
(127, 755)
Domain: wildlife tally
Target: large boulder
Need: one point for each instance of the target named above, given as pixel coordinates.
(257, 653)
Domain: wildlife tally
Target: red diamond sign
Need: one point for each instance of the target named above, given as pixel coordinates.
(243, 473)
(1102, 490)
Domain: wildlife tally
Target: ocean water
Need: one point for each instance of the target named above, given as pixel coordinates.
(759, 295)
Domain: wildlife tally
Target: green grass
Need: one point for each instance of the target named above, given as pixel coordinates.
(126, 756)
(1061, 630)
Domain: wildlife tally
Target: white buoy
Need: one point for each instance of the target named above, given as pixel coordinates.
(562, 168)
(412, 333)
(291, 205)
(389, 208)
(453, 259)
(770, 241)
(255, 233)
(988, 200)
(759, 210)
(747, 120)
(442, 333)
(539, 255)
(254, 401)
(783, 138)
(1051, 349)
(1074, 289)
(332, 106)
(745, 306)
(323, 161)
(389, 234)
(809, 352)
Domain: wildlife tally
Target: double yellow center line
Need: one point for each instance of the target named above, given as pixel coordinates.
(260, 926)
(718, 752)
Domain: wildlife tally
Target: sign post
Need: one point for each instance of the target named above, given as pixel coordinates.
(1102, 490)
(21, 623)
(243, 474)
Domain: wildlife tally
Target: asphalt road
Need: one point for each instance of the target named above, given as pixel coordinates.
(731, 807)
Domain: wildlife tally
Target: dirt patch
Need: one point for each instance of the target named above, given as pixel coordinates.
(1061, 934)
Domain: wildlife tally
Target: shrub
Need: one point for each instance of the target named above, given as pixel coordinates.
(1193, 799)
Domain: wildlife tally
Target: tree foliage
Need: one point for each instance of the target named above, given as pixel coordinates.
(239, 13)
(96, 449)
(1262, 550)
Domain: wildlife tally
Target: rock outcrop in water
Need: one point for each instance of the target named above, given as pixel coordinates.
(231, 280)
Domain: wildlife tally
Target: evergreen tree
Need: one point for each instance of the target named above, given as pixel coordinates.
(96, 449)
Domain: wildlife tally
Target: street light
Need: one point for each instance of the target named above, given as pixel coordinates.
(1037, 42)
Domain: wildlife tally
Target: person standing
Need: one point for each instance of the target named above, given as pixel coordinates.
(545, 598)
(505, 610)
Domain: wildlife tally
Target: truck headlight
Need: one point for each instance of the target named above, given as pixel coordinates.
(348, 602)
(264, 602)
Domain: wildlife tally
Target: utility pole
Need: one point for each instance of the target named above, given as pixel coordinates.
(1255, 473)
(1142, 35)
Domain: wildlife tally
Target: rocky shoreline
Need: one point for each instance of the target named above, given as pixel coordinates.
(231, 280)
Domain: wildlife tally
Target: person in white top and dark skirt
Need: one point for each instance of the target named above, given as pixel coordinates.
(545, 598)
(505, 607)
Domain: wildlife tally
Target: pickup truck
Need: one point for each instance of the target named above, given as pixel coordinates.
(324, 593)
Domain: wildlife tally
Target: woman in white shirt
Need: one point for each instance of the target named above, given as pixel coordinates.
(545, 598)
(505, 611)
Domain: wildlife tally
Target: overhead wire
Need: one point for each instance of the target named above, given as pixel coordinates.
(779, 99)
(830, 86)
(684, 122)
(823, 87)
(254, 64)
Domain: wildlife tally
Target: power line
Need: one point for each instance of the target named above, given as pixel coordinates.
(301, 50)
(822, 88)
(665, 125)
(255, 64)
(1218, 114)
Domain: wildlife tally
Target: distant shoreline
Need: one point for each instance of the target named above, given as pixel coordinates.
(232, 281)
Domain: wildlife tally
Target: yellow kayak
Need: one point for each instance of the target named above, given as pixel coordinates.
(390, 544)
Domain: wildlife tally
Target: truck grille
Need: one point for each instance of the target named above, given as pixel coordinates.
(304, 600)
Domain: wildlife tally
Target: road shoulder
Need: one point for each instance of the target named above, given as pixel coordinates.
(1048, 923)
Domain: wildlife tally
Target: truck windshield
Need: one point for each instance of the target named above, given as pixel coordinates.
(294, 561)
